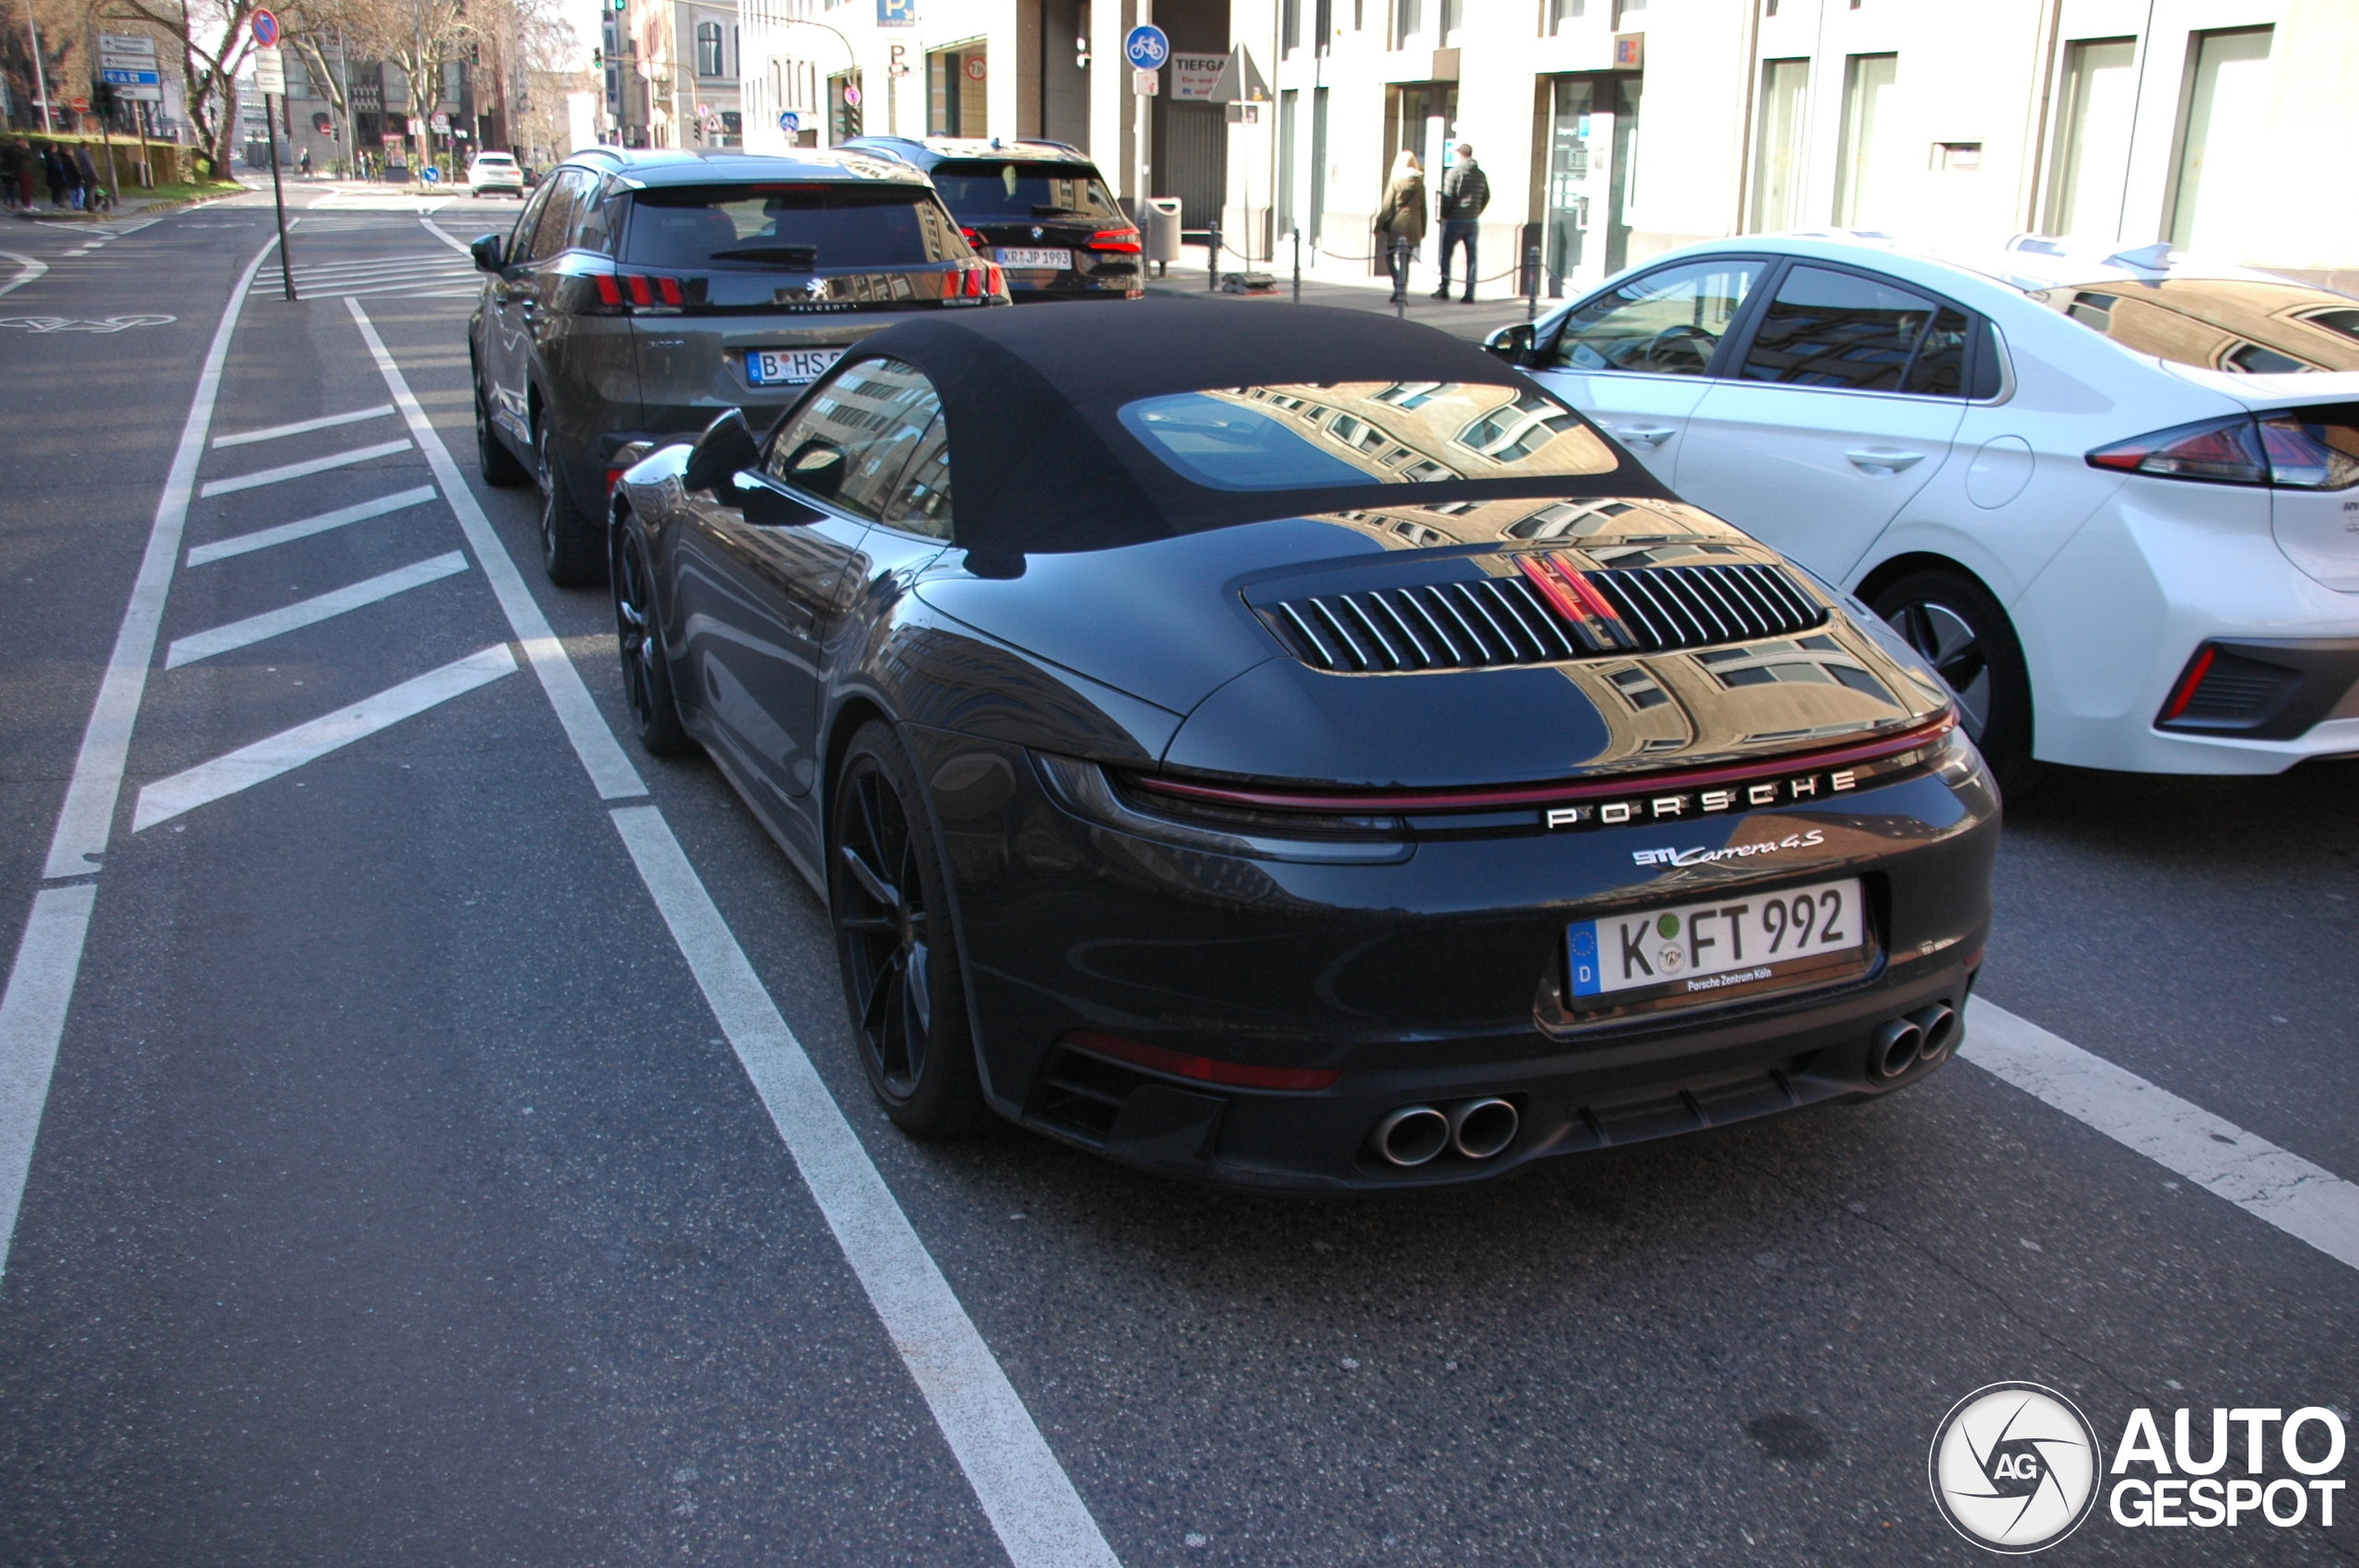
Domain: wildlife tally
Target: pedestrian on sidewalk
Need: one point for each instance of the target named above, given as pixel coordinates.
(90, 195)
(1400, 222)
(12, 159)
(53, 165)
(1464, 193)
(27, 171)
(307, 163)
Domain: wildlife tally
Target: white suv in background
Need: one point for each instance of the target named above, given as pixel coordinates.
(495, 171)
(2114, 500)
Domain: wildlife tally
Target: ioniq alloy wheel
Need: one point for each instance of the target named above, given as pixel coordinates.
(493, 460)
(571, 550)
(647, 673)
(894, 941)
(1966, 638)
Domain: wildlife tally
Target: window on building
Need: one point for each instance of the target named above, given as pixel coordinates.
(2087, 169)
(1453, 17)
(1408, 21)
(709, 60)
(2223, 138)
(1289, 26)
(1868, 82)
(1629, 13)
(1778, 145)
(1559, 12)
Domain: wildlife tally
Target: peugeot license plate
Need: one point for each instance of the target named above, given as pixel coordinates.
(787, 366)
(1060, 259)
(1729, 946)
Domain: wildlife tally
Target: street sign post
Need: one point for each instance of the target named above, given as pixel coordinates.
(270, 80)
(789, 122)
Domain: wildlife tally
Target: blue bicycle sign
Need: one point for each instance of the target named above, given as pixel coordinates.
(1146, 47)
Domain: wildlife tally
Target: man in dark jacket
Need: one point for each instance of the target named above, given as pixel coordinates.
(1464, 193)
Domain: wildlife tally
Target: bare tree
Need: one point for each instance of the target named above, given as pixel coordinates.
(214, 37)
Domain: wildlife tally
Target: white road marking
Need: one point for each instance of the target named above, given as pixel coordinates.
(312, 611)
(302, 427)
(28, 269)
(289, 749)
(263, 539)
(260, 477)
(609, 770)
(87, 818)
(448, 238)
(32, 1020)
(2305, 1201)
(1039, 1518)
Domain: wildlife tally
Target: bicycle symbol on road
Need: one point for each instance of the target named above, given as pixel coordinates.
(67, 324)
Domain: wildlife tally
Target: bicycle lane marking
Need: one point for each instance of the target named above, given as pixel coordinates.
(1039, 1518)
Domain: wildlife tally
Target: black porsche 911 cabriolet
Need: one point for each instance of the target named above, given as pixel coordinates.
(1307, 758)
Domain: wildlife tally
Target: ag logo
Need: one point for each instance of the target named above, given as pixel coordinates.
(2014, 1467)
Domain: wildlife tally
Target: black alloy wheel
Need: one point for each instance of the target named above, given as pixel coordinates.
(1959, 628)
(647, 673)
(570, 552)
(894, 941)
(497, 466)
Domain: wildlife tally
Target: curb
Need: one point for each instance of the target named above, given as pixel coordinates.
(122, 215)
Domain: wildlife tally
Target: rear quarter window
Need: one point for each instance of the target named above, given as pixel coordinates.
(795, 226)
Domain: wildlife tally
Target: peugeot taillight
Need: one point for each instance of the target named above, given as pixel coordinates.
(619, 294)
(2298, 449)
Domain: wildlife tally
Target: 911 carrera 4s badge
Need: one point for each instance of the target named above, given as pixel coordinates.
(1729, 946)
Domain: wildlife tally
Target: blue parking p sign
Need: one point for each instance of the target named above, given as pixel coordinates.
(1146, 48)
(897, 13)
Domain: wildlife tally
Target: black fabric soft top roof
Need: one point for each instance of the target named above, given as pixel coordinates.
(1042, 464)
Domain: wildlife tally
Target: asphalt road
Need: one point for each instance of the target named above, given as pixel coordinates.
(398, 1198)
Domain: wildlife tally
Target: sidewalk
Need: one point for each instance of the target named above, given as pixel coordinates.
(1346, 285)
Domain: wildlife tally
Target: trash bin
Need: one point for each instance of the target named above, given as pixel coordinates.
(1160, 233)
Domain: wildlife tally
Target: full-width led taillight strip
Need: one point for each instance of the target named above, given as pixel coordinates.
(1381, 803)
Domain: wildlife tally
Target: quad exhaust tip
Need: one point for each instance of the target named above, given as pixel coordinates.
(1922, 1037)
(1478, 1128)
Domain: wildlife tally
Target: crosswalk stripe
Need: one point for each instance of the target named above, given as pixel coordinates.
(312, 611)
(302, 427)
(298, 469)
(263, 539)
(290, 749)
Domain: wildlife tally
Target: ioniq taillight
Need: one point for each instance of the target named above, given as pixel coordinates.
(2297, 449)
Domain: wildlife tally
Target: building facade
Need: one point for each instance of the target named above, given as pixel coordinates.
(1614, 130)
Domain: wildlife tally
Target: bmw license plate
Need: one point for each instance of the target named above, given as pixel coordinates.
(1731, 946)
(1060, 259)
(787, 366)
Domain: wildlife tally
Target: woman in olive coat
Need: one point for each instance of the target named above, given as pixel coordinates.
(1400, 222)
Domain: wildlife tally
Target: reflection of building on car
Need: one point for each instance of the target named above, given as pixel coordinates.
(2102, 494)
(1038, 208)
(1269, 810)
(641, 293)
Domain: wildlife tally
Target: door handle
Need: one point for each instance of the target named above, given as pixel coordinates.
(1884, 463)
(1642, 435)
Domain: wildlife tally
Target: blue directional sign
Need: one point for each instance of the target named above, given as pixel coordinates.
(1146, 47)
(114, 78)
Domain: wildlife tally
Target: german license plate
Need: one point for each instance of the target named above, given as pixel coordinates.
(1060, 259)
(787, 366)
(1731, 947)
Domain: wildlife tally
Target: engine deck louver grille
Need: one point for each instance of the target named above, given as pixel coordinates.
(1552, 610)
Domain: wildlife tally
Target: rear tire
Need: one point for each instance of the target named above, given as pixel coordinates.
(571, 551)
(887, 896)
(1953, 621)
(647, 669)
(498, 467)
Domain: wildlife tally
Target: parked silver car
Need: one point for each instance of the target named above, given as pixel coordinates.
(642, 294)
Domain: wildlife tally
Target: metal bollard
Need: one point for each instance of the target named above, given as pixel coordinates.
(1212, 259)
(1399, 280)
(1298, 265)
(1531, 282)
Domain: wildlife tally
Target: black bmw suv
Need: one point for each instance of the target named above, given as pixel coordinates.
(642, 294)
(1040, 209)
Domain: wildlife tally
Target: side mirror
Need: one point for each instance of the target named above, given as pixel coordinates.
(818, 466)
(486, 252)
(726, 445)
(1513, 343)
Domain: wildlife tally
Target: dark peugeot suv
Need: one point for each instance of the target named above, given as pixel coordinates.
(643, 293)
(1037, 208)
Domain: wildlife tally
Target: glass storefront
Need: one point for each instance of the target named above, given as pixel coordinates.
(1593, 154)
